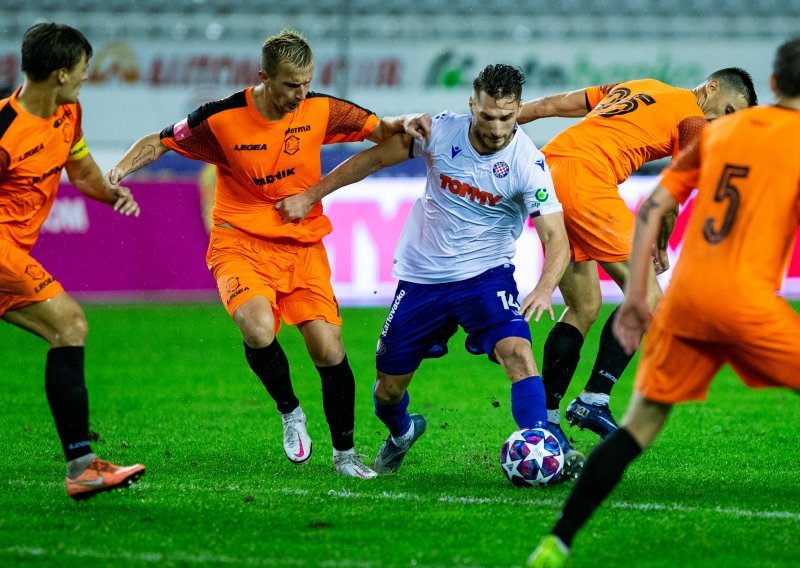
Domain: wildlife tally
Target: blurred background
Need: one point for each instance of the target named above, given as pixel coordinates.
(155, 61)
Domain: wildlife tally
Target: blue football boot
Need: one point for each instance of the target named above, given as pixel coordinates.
(573, 459)
(594, 417)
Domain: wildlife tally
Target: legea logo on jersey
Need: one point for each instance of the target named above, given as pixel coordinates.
(245, 147)
(467, 191)
(454, 151)
(500, 169)
(540, 163)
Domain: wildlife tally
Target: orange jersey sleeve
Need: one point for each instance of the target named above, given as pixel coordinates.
(596, 94)
(635, 122)
(33, 151)
(348, 122)
(680, 178)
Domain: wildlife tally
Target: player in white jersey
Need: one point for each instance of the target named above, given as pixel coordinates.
(453, 261)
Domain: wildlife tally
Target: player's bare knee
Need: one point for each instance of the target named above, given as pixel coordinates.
(327, 355)
(387, 392)
(514, 354)
(585, 311)
(70, 327)
(257, 330)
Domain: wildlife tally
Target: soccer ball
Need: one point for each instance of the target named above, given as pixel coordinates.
(532, 457)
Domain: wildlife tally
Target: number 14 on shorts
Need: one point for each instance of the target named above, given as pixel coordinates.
(508, 300)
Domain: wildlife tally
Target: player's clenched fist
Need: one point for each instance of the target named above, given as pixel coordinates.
(294, 208)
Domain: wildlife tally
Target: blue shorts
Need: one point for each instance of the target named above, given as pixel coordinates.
(423, 317)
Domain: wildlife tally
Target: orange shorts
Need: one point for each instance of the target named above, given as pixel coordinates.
(23, 281)
(676, 369)
(599, 223)
(295, 278)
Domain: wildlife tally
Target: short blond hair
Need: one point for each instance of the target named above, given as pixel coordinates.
(288, 45)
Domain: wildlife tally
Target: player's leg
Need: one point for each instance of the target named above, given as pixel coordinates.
(591, 409)
(391, 407)
(580, 287)
(417, 327)
(672, 370)
(324, 344)
(248, 272)
(603, 471)
(256, 322)
(60, 321)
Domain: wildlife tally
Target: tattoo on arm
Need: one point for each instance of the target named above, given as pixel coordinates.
(644, 210)
(145, 156)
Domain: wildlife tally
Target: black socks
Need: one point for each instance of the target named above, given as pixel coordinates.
(562, 351)
(338, 400)
(600, 475)
(68, 399)
(611, 360)
(272, 367)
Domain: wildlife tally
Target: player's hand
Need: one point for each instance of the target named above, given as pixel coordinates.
(418, 126)
(535, 304)
(115, 175)
(660, 260)
(124, 203)
(632, 320)
(294, 208)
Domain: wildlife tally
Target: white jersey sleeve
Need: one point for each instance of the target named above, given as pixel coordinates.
(538, 191)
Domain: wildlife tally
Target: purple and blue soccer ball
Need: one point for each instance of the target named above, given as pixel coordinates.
(532, 457)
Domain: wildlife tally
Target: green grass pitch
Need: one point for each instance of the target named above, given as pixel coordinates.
(169, 387)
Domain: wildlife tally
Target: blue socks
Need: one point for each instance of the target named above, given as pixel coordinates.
(528, 403)
(395, 416)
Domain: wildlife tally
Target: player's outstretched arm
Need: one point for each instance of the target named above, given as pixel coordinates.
(144, 151)
(355, 168)
(418, 126)
(87, 177)
(634, 314)
(553, 235)
(567, 105)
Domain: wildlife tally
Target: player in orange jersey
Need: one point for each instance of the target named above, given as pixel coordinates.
(733, 259)
(626, 125)
(41, 135)
(265, 142)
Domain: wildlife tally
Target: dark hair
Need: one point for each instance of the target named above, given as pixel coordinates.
(289, 46)
(500, 81)
(786, 68)
(49, 47)
(738, 80)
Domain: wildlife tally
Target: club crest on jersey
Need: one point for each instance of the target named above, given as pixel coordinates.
(291, 145)
(500, 170)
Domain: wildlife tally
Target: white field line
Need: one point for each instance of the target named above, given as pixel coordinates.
(157, 558)
(455, 499)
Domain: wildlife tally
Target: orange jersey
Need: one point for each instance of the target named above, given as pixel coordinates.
(746, 167)
(33, 151)
(629, 124)
(259, 161)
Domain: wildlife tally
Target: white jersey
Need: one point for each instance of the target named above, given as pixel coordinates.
(474, 207)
